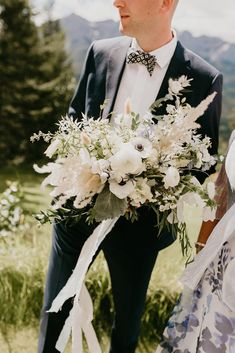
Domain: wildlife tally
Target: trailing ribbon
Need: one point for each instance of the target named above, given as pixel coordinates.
(230, 165)
(81, 314)
(223, 231)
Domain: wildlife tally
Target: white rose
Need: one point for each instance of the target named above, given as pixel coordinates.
(127, 161)
(172, 177)
(121, 190)
(190, 198)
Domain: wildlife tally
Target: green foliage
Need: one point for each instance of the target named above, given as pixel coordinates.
(107, 205)
(36, 80)
(21, 295)
(11, 210)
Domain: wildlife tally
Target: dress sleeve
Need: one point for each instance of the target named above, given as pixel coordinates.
(222, 186)
(221, 197)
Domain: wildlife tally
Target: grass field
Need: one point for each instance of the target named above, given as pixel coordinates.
(23, 263)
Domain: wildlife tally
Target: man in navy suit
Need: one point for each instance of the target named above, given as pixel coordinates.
(130, 249)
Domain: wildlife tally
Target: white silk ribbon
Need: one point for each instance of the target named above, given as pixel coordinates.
(230, 165)
(81, 314)
(223, 231)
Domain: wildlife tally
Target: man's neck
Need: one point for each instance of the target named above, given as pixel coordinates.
(155, 41)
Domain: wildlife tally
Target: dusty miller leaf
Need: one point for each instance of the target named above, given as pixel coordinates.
(108, 205)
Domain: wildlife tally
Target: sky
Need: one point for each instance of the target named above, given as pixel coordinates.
(209, 17)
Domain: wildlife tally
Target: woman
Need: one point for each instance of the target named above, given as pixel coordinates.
(204, 319)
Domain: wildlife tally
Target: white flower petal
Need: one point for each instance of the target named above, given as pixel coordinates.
(127, 161)
(208, 214)
(172, 177)
(121, 191)
(211, 190)
(52, 148)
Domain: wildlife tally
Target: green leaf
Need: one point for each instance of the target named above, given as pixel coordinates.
(108, 205)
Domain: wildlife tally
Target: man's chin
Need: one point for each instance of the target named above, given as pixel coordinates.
(123, 30)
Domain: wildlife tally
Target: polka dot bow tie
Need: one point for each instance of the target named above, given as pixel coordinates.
(141, 57)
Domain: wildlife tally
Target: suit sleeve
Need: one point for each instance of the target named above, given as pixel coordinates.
(78, 102)
(213, 114)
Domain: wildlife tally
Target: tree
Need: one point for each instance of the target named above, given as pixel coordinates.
(35, 78)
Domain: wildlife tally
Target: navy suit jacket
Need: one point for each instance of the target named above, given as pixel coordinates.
(102, 74)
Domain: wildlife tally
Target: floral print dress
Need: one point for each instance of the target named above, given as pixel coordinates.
(202, 322)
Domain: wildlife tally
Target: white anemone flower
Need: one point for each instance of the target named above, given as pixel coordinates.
(142, 145)
(121, 190)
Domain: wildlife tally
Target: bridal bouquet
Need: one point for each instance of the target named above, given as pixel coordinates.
(106, 170)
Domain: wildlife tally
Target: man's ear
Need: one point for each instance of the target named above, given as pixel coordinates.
(167, 5)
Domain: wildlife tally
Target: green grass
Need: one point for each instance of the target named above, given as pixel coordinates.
(23, 263)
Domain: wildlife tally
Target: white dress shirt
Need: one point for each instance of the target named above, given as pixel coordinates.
(136, 83)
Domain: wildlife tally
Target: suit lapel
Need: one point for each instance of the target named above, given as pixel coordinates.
(116, 65)
(179, 65)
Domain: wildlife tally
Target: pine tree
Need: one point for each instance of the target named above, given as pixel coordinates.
(35, 81)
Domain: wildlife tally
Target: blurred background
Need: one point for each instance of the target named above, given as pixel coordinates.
(43, 44)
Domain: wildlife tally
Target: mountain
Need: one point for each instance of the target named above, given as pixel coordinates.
(80, 33)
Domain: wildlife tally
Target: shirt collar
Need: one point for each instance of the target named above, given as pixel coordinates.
(164, 53)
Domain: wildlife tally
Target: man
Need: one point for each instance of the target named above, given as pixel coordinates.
(113, 71)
